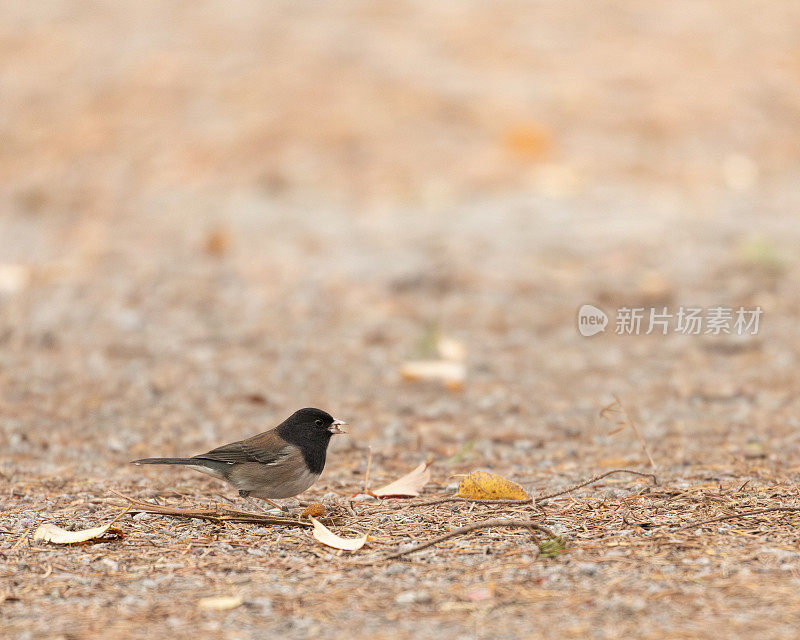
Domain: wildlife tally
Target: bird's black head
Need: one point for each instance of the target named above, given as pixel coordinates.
(311, 431)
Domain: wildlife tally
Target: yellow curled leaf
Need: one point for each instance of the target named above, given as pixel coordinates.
(482, 485)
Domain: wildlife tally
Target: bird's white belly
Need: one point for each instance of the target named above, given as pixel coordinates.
(284, 481)
(288, 487)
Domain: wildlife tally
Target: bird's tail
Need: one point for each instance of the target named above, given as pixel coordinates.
(192, 461)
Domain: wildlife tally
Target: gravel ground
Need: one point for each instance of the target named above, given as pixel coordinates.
(215, 214)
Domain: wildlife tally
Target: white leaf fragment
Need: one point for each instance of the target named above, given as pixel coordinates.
(220, 603)
(51, 533)
(326, 536)
(448, 372)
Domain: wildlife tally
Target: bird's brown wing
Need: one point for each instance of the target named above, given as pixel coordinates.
(266, 448)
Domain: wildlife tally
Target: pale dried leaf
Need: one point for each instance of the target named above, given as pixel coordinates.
(52, 533)
(326, 536)
(220, 603)
(482, 485)
(409, 486)
(450, 373)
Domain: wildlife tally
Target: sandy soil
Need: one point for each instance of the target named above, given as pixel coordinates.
(214, 214)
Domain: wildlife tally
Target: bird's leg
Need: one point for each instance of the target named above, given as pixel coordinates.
(282, 507)
(255, 504)
(244, 494)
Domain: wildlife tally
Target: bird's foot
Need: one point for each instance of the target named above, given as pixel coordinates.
(283, 508)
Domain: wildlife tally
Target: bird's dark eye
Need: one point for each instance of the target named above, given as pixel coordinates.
(319, 423)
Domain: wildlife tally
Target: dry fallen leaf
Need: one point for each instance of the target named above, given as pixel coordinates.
(450, 373)
(220, 603)
(315, 509)
(51, 533)
(409, 486)
(482, 485)
(326, 536)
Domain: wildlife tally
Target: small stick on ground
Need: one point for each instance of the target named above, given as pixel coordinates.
(541, 499)
(486, 524)
(580, 485)
(262, 509)
(217, 515)
(366, 475)
(471, 500)
(733, 516)
(22, 537)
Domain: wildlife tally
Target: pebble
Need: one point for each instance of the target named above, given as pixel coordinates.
(588, 568)
(112, 565)
(330, 499)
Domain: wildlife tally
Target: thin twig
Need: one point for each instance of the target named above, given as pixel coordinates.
(473, 500)
(733, 516)
(366, 475)
(580, 485)
(22, 537)
(217, 515)
(120, 514)
(541, 499)
(486, 524)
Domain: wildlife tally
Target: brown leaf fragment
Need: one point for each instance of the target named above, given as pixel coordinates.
(408, 486)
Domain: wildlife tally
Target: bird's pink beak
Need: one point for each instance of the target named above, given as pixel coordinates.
(335, 427)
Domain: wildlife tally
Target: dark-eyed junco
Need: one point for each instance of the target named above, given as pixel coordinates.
(279, 463)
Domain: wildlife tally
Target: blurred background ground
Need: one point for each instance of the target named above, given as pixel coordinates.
(212, 214)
